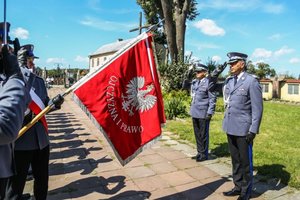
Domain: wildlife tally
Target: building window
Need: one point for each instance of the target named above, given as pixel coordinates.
(104, 59)
(265, 87)
(293, 89)
(97, 61)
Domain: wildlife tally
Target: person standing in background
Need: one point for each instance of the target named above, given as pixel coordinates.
(202, 108)
(32, 148)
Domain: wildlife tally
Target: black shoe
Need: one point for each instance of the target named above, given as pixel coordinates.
(233, 192)
(29, 177)
(26, 196)
(199, 159)
(243, 197)
(195, 157)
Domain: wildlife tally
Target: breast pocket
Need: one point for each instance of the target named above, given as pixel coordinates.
(202, 93)
(242, 95)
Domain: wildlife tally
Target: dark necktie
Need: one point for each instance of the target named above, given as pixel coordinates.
(235, 80)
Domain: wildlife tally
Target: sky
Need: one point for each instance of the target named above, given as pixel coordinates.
(66, 32)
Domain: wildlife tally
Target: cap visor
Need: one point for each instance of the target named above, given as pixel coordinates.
(232, 61)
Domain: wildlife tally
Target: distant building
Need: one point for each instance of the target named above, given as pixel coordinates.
(267, 88)
(289, 89)
(105, 53)
(283, 89)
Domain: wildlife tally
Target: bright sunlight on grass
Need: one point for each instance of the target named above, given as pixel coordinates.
(276, 148)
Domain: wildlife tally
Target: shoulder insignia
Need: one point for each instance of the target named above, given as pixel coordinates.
(227, 79)
(254, 76)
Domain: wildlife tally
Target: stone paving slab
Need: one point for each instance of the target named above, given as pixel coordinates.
(83, 166)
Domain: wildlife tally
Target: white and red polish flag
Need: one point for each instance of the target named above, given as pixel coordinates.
(36, 106)
(123, 98)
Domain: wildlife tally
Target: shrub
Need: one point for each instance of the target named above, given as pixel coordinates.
(173, 74)
(176, 104)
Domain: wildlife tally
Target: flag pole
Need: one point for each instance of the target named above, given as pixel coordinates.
(5, 26)
(84, 79)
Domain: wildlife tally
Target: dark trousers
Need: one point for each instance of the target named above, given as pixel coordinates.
(201, 131)
(3, 187)
(39, 161)
(242, 165)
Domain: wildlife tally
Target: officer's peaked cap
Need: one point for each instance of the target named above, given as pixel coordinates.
(235, 56)
(200, 67)
(29, 48)
(2, 25)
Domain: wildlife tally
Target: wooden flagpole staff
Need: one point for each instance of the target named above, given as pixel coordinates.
(34, 120)
(40, 115)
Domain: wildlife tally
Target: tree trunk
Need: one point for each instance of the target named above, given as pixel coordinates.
(180, 19)
(170, 28)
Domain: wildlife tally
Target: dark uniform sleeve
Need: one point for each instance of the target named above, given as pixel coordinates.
(14, 99)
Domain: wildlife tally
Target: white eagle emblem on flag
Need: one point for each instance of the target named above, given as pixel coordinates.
(138, 99)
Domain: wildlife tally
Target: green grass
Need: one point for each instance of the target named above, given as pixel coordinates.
(276, 151)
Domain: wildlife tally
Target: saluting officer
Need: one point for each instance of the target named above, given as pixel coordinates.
(202, 108)
(244, 107)
(14, 99)
(32, 148)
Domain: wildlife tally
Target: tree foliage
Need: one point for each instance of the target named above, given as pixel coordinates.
(175, 13)
(262, 70)
(211, 64)
(173, 74)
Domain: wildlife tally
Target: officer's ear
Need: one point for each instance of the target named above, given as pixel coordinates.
(244, 64)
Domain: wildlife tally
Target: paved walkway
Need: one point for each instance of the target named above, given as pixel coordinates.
(83, 166)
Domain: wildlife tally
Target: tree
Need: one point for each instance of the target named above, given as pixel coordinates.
(264, 70)
(289, 76)
(211, 64)
(173, 75)
(251, 68)
(175, 13)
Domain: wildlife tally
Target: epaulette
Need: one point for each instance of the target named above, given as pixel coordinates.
(227, 79)
(194, 80)
(254, 76)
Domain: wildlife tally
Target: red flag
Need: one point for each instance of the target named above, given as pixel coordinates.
(124, 99)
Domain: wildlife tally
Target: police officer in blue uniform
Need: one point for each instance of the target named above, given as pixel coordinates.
(32, 148)
(202, 108)
(244, 107)
(14, 99)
